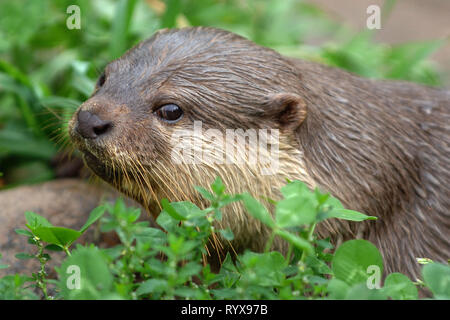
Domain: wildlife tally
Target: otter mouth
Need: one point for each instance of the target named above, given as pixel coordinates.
(118, 176)
(101, 169)
(92, 157)
(120, 171)
(121, 179)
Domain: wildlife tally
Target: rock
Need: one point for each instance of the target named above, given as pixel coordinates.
(65, 203)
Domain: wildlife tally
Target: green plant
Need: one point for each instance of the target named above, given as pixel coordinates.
(41, 232)
(170, 263)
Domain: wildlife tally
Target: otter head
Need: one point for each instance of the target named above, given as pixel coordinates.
(146, 106)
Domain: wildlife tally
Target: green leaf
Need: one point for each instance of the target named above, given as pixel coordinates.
(152, 286)
(82, 83)
(218, 187)
(257, 210)
(437, 278)
(224, 294)
(53, 247)
(119, 207)
(227, 234)
(189, 293)
(263, 269)
(23, 232)
(399, 287)
(151, 235)
(296, 189)
(34, 220)
(318, 265)
(187, 209)
(61, 102)
(93, 217)
(57, 235)
(321, 197)
(352, 259)
(15, 73)
(330, 203)
(345, 214)
(295, 211)
(25, 144)
(133, 214)
(120, 27)
(409, 55)
(227, 199)
(299, 206)
(296, 241)
(190, 269)
(337, 289)
(171, 210)
(96, 281)
(205, 193)
(24, 256)
(170, 15)
(26, 96)
(166, 221)
(360, 291)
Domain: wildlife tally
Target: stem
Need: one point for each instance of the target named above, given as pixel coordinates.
(41, 281)
(270, 241)
(66, 250)
(289, 253)
(309, 238)
(311, 232)
(127, 274)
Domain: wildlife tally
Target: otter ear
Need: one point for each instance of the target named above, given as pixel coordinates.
(288, 110)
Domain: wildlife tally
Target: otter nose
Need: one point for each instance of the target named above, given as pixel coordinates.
(90, 126)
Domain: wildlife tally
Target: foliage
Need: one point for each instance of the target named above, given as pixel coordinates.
(169, 263)
(47, 70)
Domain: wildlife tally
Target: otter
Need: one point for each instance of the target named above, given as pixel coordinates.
(380, 146)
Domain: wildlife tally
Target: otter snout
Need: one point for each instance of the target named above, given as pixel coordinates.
(90, 126)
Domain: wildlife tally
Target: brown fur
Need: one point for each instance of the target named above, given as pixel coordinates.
(381, 147)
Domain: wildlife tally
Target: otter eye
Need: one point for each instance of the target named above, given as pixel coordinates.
(170, 112)
(101, 80)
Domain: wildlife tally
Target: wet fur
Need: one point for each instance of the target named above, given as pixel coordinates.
(381, 147)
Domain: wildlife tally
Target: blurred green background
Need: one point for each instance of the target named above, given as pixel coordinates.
(47, 70)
